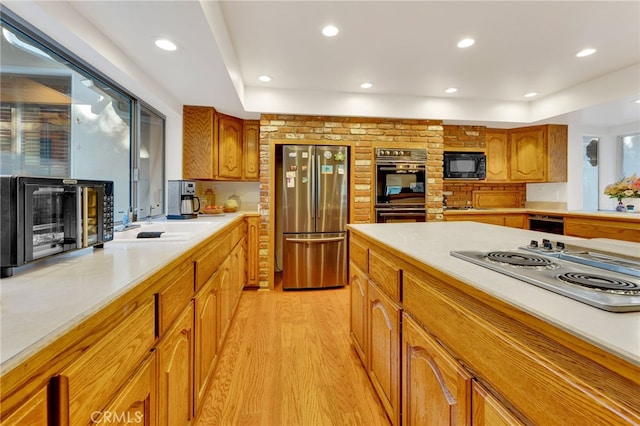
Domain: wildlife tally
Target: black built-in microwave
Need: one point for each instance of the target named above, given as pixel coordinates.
(465, 165)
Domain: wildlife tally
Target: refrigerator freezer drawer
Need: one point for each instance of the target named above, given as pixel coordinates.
(314, 260)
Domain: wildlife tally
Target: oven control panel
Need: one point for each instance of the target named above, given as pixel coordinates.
(396, 154)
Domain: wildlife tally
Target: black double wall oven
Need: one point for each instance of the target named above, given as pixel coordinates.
(400, 185)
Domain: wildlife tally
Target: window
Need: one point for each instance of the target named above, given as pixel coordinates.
(590, 173)
(630, 155)
(60, 117)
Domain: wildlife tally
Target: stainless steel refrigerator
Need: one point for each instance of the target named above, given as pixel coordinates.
(315, 184)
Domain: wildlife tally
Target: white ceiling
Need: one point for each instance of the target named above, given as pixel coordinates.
(407, 49)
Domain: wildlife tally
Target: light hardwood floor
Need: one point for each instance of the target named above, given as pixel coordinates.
(288, 360)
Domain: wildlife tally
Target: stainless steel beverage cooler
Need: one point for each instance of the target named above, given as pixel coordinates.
(315, 184)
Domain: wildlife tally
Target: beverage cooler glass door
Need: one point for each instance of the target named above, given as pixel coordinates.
(51, 220)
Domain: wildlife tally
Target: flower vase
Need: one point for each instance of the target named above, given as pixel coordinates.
(620, 207)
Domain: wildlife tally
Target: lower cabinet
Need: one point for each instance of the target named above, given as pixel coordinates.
(88, 385)
(253, 246)
(150, 358)
(592, 227)
(206, 335)
(34, 412)
(436, 388)
(488, 411)
(136, 401)
(175, 372)
(359, 303)
(384, 350)
(513, 220)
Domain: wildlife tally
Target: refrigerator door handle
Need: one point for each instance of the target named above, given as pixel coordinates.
(314, 190)
(319, 188)
(315, 240)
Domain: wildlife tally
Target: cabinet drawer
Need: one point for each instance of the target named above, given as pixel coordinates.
(386, 275)
(209, 261)
(33, 413)
(359, 253)
(93, 379)
(174, 297)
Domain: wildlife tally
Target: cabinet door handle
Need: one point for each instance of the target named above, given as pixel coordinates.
(59, 397)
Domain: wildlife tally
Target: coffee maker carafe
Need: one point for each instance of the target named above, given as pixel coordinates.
(183, 203)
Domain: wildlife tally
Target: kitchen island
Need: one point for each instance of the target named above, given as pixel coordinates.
(480, 343)
(101, 332)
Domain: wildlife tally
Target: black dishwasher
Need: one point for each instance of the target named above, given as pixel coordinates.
(544, 223)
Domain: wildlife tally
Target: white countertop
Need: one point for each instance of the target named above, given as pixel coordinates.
(45, 299)
(430, 243)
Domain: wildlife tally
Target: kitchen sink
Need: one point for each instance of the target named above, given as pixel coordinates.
(165, 231)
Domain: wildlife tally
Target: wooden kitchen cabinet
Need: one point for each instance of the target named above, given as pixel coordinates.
(199, 142)
(488, 411)
(175, 372)
(527, 154)
(251, 150)
(230, 159)
(513, 220)
(176, 293)
(34, 412)
(497, 151)
(231, 285)
(206, 335)
(436, 388)
(384, 350)
(253, 246)
(217, 146)
(87, 385)
(538, 154)
(358, 283)
(602, 227)
(136, 401)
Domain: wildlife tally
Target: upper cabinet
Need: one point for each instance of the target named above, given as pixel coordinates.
(497, 150)
(251, 150)
(218, 146)
(199, 131)
(229, 147)
(528, 154)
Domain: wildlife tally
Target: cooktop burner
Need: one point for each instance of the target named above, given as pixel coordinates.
(521, 260)
(598, 282)
(602, 288)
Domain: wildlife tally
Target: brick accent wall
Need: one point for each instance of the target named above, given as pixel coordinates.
(464, 137)
(362, 135)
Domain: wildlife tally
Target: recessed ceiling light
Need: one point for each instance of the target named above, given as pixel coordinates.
(467, 42)
(530, 94)
(637, 101)
(451, 90)
(366, 85)
(165, 44)
(264, 78)
(330, 30)
(585, 52)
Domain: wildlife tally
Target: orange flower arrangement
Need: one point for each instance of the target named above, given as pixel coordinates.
(625, 188)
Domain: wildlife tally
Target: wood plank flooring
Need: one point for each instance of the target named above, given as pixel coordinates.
(288, 360)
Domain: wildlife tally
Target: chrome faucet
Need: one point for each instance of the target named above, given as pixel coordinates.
(152, 206)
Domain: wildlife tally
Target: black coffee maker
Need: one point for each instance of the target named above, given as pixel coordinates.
(183, 203)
